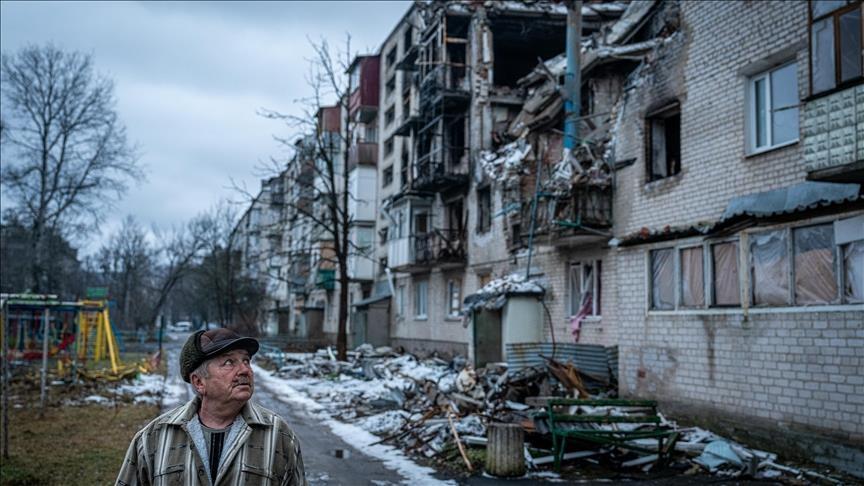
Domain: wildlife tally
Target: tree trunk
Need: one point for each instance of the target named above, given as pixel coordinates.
(505, 450)
(342, 336)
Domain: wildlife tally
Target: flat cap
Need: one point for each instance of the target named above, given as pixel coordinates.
(204, 345)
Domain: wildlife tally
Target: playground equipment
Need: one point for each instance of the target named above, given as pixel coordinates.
(34, 321)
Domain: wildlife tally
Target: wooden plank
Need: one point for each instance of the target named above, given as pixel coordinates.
(607, 419)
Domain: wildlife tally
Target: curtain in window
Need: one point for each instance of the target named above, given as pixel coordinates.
(815, 280)
(662, 286)
(853, 261)
(770, 268)
(692, 279)
(726, 289)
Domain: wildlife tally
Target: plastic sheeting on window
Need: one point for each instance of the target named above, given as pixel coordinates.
(662, 284)
(853, 262)
(726, 282)
(815, 277)
(770, 268)
(692, 278)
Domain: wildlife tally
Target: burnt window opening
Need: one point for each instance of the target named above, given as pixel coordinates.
(663, 147)
(389, 116)
(456, 140)
(388, 176)
(484, 209)
(391, 56)
(455, 219)
(835, 45)
(517, 43)
(407, 39)
(390, 87)
(403, 168)
(388, 147)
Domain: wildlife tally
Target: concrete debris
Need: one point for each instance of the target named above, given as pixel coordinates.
(424, 405)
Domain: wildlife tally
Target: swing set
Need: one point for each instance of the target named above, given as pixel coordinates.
(37, 326)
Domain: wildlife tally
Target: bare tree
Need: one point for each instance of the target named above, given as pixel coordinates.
(328, 189)
(126, 263)
(65, 153)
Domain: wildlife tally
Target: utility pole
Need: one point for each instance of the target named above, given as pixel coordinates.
(571, 91)
(573, 76)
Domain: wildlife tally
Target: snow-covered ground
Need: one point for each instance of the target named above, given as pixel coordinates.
(330, 393)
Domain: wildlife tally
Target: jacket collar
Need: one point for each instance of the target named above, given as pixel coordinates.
(250, 412)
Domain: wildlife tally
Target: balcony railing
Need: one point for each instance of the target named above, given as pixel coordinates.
(585, 211)
(833, 140)
(438, 248)
(433, 174)
(363, 153)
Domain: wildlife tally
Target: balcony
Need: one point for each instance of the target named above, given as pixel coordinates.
(833, 131)
(325, 279)
(584, 216)
(446, 84)
(440, 248)
(363, 153)
(436, 175)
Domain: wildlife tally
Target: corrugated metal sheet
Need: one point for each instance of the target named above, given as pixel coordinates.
(591, 358)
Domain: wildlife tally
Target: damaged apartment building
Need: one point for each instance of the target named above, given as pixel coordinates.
(708, 224)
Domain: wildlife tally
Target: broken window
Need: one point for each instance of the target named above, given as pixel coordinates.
(725, 265)
(692, 277)
(484, 209)
(815, 276)
(400, 300)
(391, 56)
(407, 39)
(662, 279)
(584, 285)
(420, 291)
(390, 87)
(421, 223)
(835, 44)
(388, 176)
(403, 169)
(389, 116)
(770, 267)
(371, 134)
(454, 298)
(664, 143)
(388, 147)
(853, 276)
(773, 110)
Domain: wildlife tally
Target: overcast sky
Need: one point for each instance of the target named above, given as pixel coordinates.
(189, 78)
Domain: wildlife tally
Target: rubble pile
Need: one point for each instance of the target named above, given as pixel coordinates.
(427, 407)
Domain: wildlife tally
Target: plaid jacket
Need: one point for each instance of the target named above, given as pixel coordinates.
(163, 453)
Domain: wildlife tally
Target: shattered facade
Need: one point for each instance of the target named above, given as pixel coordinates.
(709, 222)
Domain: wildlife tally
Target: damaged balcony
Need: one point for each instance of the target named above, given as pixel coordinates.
(364, 75)
(439, 248)
(583, 216)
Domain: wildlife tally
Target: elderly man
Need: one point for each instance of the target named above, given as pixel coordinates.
(220, 437)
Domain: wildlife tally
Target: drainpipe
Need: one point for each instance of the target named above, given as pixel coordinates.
(572, 78)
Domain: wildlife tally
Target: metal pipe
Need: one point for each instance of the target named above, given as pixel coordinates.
(573, 78)
(5, 388)
(45, 319)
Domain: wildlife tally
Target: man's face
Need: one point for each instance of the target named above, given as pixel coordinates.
(230, 379)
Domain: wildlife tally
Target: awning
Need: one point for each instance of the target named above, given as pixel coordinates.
(800, 197)
(371, 300)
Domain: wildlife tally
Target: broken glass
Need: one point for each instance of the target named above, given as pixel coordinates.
(815, 277)
(770, 269)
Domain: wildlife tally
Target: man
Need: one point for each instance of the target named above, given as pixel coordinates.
(220, 437)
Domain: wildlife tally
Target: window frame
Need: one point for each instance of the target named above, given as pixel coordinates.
(668, 111)
(679, 270)
(752, 135)
(424, 285)
(596, 282)
(484, 214)
(835, 15)
(451, 285)
(651, 287)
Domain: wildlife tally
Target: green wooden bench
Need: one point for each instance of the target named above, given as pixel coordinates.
(564, 425)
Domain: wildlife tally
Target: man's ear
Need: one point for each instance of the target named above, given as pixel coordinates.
(197, 383)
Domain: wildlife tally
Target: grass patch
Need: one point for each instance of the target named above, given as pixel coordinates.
(82, 445)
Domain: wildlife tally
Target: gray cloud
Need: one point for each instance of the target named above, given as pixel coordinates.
(190, 77)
